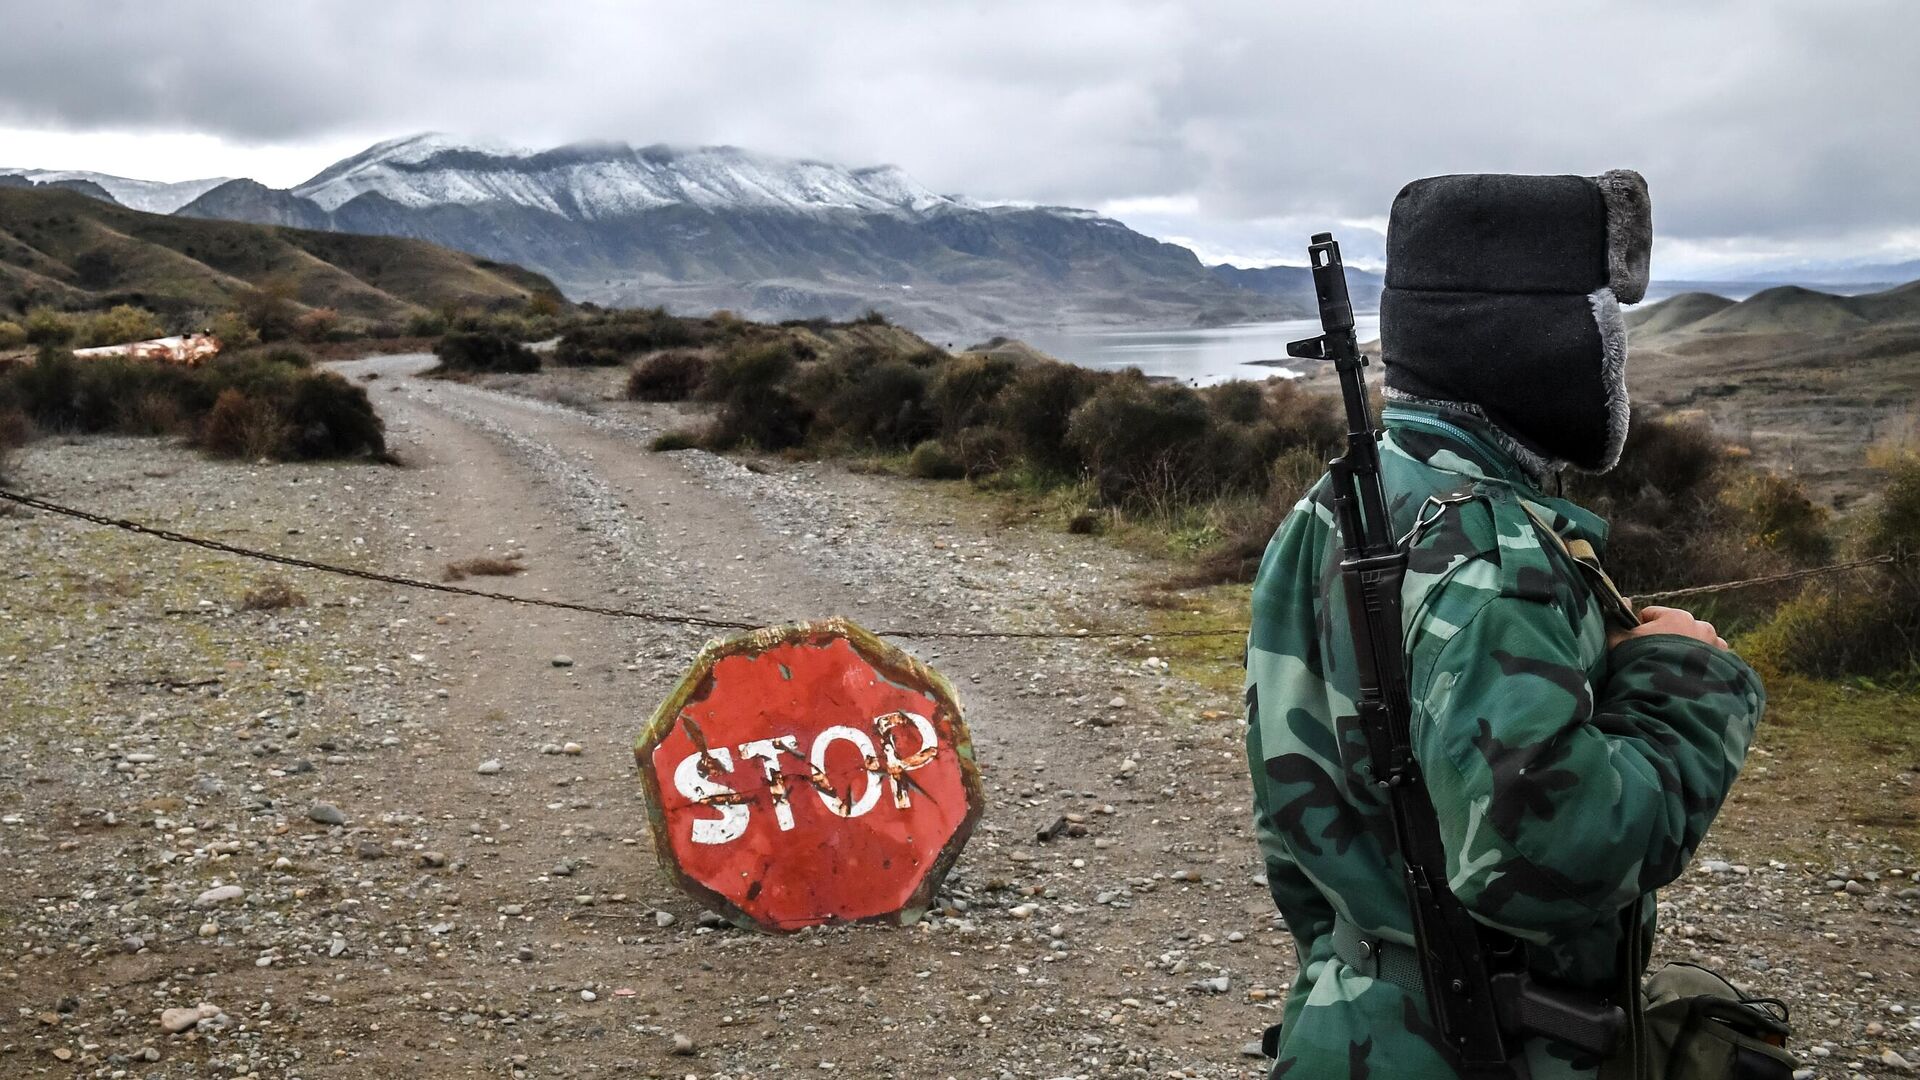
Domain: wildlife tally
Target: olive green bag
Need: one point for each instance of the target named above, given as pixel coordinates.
(1699, 1026)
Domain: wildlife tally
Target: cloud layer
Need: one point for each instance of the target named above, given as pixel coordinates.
(1762, 127)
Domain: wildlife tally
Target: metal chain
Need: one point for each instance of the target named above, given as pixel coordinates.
(564, 605)
(740, 624)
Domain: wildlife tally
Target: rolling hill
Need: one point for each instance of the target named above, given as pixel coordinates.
(700, 228)
(1810, 379)
(66, 250)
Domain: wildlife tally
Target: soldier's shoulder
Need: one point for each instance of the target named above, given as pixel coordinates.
(1478, 535)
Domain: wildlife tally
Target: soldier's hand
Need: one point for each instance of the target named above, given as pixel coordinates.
(1666, 620)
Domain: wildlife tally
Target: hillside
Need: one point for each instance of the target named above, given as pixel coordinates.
(68, 251)
(1294, 285)
(696, 229)
(1811, 379)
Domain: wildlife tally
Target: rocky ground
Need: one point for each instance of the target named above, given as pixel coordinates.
(389, 831)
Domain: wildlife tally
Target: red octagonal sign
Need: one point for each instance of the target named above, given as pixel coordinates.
(809, 774)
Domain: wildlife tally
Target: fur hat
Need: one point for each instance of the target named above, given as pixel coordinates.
(1503, 295)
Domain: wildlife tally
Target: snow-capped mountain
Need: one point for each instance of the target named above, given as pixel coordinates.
(153, 196)
(599, 180)
(700, 228)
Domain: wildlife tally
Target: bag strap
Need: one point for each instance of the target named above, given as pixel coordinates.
(1617, 608)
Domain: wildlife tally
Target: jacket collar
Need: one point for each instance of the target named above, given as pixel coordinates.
(1481, 453)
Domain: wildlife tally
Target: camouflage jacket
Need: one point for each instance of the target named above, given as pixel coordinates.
(1569, 781)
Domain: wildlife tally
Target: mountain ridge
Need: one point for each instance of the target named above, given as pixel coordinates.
(700, 228)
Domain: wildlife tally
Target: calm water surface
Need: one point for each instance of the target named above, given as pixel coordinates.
(1196, 357)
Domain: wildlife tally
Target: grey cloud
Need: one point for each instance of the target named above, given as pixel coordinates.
(1783, 120)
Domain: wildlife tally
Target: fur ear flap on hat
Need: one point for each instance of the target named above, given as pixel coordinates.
(1629, 233)
(1503, 297)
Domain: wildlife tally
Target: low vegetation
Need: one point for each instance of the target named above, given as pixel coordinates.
(272, 594)
(1207, 474)
(483, 352)
(251, 404)
(482, 566)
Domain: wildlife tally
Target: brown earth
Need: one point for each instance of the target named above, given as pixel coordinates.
(157, 740)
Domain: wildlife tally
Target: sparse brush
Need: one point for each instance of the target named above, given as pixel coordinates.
(669, 375)
(932, 461)
(676, 440)
(272, 594)
(483, 566)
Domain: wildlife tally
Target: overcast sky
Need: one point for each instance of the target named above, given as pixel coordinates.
(1770, 132)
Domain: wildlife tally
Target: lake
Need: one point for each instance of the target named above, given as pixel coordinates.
(1195, 357)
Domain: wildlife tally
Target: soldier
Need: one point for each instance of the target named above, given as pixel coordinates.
(1573, 752)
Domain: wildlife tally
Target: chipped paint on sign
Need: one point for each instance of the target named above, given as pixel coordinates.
(809, 774)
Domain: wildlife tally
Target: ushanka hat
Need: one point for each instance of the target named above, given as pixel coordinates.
(1503, 297)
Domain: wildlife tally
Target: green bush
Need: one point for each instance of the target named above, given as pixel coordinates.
(622, 335)
(120, 325)
(869, 398)
(982, 451)
(1863, 622)
(483, 351)
(964, 389)
(273, 408)
(1781, 518)
(1140, 441)
(1034, 407)
(12, 334)
(669, 375)
(932, 461)
(46, 327)
(755, 409)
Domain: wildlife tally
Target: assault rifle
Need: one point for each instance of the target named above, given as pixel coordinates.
(1478, 991)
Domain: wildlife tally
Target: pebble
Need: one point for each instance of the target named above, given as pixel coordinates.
(1893, 1060)
(433, 858)
(219, 894)
(682, 1046)
(664, 919)
(563, 660)
(175, 1021)
(326, 814)
(489, 767)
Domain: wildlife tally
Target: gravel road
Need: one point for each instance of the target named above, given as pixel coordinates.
(385, 831)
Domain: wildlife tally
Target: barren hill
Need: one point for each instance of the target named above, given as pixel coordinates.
(66, 250)
(1810, 378)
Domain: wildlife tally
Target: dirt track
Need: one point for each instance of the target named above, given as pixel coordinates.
(512, 922)
(1108, 977)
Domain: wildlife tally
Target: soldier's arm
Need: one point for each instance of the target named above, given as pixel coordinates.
(1561, 802)
(1309, 916)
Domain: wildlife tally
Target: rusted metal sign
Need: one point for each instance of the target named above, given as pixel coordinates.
(809, 774)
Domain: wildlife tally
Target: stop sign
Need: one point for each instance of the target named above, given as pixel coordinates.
(809, 774)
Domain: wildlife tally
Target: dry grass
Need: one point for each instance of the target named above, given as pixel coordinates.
(272, 594)
(484, 566)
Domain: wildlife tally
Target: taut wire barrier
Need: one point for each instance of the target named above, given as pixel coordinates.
(709, 623)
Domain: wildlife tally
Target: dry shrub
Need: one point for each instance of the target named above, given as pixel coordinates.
(153, 414)
(932, 461)
(272, 594)
(240, 426)
(483, 566)
(669, 375)
(1865, 622)
(676, 440)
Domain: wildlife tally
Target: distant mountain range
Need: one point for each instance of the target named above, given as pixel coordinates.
(71, 250)
(1294, 284)
(771, 238)
(153, 196)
